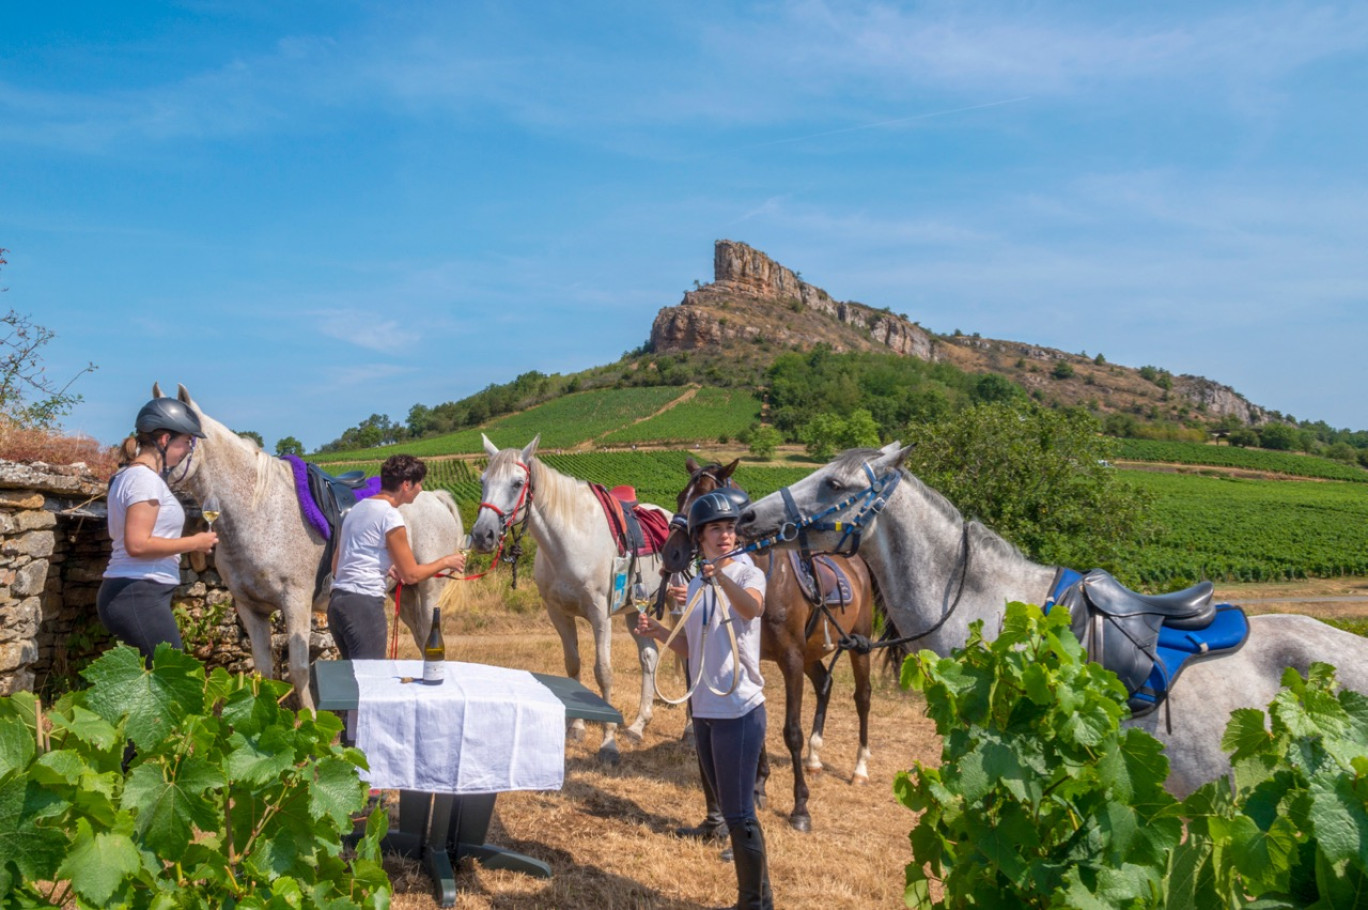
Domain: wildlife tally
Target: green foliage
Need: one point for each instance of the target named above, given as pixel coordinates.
(1036, 477)
(1296, 831)
(254, 436)
(1279, 436)
(1041, 799)
(27, 397)
(229, 801)
(288, 445)
(763, 441)
(709, 413)
(1062, 370)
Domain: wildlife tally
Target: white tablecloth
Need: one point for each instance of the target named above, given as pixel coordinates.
(484, 730)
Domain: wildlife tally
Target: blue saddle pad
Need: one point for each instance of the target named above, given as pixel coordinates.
(1178, 648)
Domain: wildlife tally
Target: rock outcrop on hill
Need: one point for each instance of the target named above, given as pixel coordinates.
(753, 298)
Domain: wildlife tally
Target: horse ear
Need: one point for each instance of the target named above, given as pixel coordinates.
(727, 471)
(531, 448)
(156, 389)
(892, 455)
(490, 448)
(184, 395)
(690, 465)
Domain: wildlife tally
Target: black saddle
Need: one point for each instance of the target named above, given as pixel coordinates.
(333, 496)
(1120, 628)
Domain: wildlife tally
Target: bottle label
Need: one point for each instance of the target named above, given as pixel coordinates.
(434, 671)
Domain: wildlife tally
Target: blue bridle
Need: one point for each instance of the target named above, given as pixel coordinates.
(871, 501)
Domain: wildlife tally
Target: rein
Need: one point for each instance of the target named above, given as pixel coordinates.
(509, 521)
(723, 606)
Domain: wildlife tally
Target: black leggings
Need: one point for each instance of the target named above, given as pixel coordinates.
(137, 612)
(358, 625)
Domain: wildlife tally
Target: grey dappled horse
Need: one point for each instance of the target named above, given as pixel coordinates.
(916, 547)
(573, 567)
(268, 554)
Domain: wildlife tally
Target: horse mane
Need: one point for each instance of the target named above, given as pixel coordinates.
(557, 495)
(979, 533)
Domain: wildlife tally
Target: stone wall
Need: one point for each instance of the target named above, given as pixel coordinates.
(54, 545)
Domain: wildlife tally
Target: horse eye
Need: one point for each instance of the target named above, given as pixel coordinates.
(835, 485)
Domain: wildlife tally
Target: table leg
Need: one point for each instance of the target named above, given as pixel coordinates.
(469, 830)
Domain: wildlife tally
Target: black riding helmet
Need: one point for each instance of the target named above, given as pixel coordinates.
(711, 507)
(168, 414)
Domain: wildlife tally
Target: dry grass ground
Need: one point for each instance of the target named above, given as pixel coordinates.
(607, 834)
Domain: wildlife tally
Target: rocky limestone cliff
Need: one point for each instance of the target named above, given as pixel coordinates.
(753, 298)
(742, 274)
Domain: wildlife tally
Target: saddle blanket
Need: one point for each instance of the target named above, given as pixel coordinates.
(834, 583)
(312, 509)
(484, 730)
(636, 530)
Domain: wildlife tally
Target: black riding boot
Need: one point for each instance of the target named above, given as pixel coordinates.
(714, 827)
(752, 867)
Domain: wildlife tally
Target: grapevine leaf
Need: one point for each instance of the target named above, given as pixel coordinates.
(155, 700)
(98, 863)
(169, 811)
(1339, 820)
(88, 727)
(33, 850)
(337, 791)
(257, 760)
(1342, 886)
(1245, 733)
(17, 744)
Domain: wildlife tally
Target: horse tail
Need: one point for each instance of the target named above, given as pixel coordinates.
(887, 630)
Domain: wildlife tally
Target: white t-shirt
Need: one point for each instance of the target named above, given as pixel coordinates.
(717, 653)
(363, 557)
(139, 483)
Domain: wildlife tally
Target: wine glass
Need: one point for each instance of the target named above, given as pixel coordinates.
(640, 596)
(210, 510)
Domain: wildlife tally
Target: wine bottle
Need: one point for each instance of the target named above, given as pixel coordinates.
(434, 652)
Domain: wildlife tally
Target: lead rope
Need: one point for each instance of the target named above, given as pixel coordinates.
(723, 606)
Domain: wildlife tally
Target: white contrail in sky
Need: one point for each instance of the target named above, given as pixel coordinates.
(870, 126)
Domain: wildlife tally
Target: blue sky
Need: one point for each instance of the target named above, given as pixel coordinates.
(309, 212)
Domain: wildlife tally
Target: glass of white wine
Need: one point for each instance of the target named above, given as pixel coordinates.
(210, 510)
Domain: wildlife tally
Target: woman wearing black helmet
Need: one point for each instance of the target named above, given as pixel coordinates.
(145, 524)
(729, 728)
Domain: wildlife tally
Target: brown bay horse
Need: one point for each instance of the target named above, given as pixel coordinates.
(795, 640)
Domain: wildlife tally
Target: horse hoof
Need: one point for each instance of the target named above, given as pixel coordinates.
(609, 757)
(633, 736)
(813, 770)
(859, 780)
(574, 734)
(801, 823)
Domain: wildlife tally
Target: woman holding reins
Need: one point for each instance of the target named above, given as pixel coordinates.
(728, 702)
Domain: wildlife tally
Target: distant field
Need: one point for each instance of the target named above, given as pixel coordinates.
(1196, 453)
(1229, 529)
(711, 414)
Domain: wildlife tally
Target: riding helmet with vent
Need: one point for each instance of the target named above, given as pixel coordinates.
(738, 497)
(168, 414)
(711, 507)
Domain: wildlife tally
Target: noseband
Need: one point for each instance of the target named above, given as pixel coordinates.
(507, 520)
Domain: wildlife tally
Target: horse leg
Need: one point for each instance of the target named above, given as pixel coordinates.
(791, 666)
(649, 655)
(821, 687)
(564, 625)
(762, 773)
(860, 664)
(601, 623)
(258, 628)
(297, 622)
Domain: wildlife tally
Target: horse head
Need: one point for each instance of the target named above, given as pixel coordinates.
(505, 493)
(678, 548)
(840, 491)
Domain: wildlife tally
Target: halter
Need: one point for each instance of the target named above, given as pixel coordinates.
(509, 520)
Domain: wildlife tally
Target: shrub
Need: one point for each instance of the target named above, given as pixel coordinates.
(230, 799)
(1042, 800)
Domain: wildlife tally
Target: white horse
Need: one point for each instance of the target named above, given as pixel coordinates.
(573, 567)
(268, 554)
(940, 573)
